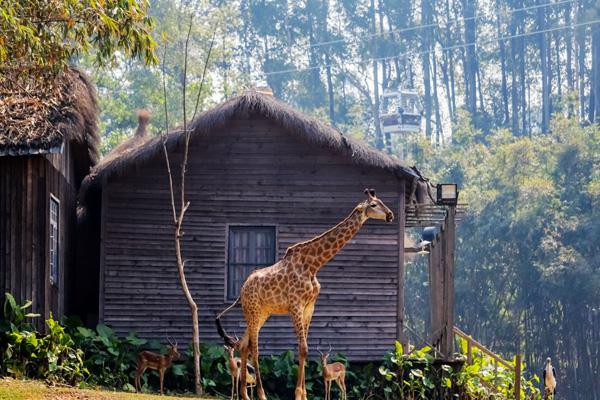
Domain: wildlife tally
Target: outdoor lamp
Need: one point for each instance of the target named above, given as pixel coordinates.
(447, 194)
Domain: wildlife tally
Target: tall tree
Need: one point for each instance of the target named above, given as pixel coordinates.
(51, 33)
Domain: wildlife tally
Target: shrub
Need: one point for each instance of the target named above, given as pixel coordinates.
(26, 353)
(70, 353)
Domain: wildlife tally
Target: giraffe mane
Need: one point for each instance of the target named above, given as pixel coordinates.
(300, 246)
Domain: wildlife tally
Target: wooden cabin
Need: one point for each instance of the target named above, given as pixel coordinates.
(261, 177)
(48, 142)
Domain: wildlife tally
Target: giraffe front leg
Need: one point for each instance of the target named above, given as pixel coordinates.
(306, 319)
(298, 321)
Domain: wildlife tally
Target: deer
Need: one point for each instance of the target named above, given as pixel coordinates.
(149, 359)
(235, 363)
(333, 372)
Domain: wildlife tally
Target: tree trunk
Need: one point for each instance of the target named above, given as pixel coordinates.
(514, 87)
(504, 85)
(438, 119)
(523, 79)
(426, 19)
(330, 89)
(471, 56)
(581, 70)
(569, 55)
(595, 78)
(378, 134)
(541, 21)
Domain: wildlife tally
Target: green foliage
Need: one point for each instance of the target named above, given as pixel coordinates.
(72, 354)
(111, 360)
(483, 379)
(415, 375)
(26, 353)
(529, 241)
(52, 33)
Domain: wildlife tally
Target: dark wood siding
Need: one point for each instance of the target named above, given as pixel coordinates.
(26, 183)
(252, 173)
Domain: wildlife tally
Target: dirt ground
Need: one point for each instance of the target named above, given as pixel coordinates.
(12, 389)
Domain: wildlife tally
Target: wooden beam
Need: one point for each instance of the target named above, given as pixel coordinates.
(448, 239)
(400, 336)
(518, 377)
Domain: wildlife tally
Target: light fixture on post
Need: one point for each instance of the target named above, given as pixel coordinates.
(447, 194)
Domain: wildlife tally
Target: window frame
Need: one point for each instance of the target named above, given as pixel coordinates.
(54, 228)
(227, 296)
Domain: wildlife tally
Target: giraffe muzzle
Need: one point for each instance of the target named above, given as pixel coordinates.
(389, 217)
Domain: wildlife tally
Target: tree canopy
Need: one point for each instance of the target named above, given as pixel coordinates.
(42, 33)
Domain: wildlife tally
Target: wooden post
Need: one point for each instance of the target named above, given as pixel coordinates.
(469, 353)
(448, 236)
(401, 267)
(436, 291)
(518, 377)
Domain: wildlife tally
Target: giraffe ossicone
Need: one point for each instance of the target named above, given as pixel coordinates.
(290, 286)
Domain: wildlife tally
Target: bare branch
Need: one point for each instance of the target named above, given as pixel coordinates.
(212, 42)
(165, 136)
(185, 128)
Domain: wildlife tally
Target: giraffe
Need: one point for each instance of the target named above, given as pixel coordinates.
(290, 286)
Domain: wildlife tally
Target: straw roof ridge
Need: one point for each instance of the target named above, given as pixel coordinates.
(137, 150)
(39, 112)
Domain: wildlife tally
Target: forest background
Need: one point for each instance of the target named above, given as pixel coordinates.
(511, 105)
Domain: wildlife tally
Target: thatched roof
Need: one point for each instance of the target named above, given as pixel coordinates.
(136, 150)
(38, 113)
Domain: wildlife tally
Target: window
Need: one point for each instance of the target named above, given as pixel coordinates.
(250, 247)
(53, 241)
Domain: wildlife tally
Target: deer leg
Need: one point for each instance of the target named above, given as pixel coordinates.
(233, 386)
(162, 378)
(139, 377)
(297, 319)
(244, 348)
(343, 385)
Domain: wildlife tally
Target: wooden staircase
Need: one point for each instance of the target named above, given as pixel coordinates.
(516, 369)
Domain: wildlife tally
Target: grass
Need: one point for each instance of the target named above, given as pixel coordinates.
(13, 389)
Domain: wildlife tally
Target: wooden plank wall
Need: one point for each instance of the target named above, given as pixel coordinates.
(252, 173)
(25, 187)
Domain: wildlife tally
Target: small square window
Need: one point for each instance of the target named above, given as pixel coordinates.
(250, 247)
(54, 240)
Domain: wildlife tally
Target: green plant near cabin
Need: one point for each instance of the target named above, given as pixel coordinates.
(415, 375)
(26, 353)
(70, 353)
(483, 378)
(110, 359)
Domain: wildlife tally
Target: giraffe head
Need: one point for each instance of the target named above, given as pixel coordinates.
(374, 208)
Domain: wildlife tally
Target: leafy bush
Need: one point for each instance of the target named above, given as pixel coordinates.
(482, 379)
(26, 353)
(70, 353)
(109, 359)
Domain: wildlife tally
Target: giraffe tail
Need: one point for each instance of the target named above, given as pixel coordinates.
(229, 341)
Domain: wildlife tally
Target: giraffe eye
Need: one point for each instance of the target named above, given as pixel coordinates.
(373, 205)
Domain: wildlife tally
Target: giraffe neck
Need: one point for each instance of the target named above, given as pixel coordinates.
(315, 253)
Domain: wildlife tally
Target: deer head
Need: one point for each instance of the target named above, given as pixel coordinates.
(172, 349)
(324, 356)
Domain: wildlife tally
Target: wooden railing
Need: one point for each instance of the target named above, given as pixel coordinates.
(497, 359)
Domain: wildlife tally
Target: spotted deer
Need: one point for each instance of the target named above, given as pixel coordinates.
(149, 359)
(235, 364)
(334, 372)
